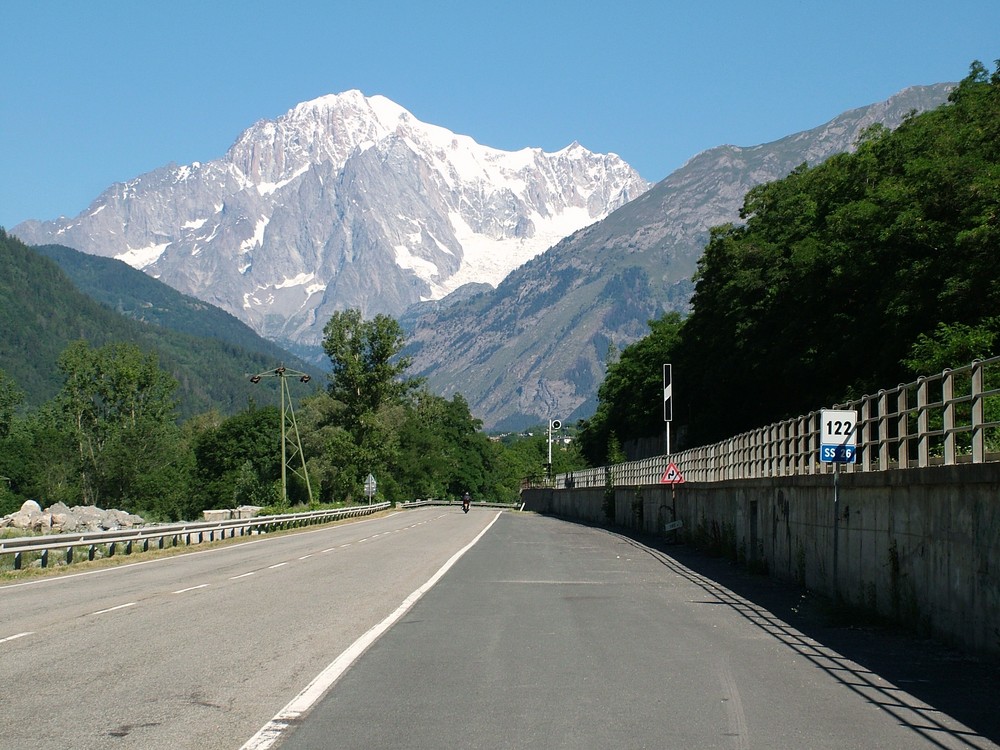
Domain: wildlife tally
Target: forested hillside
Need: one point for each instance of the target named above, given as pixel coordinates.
(138, 296)
(863, 272)
(42, 310)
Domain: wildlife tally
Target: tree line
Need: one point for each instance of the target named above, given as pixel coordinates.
(868, 270)
(111, 436)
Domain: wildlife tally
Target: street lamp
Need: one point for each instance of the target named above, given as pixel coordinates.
(289, 437)
(554, 425)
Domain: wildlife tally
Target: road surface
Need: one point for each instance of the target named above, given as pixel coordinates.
(436, 629)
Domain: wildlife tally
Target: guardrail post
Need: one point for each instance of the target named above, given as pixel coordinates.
(902, 429)
(948, 420)
(69, 555)
(883, 430)
(91, 552)
(976, 390)
(923, 424)
(45, 558)
(17, 561)
(111, 549)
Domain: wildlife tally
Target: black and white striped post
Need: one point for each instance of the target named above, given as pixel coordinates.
(668, 406)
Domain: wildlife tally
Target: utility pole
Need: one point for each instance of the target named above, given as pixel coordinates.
(289, 437)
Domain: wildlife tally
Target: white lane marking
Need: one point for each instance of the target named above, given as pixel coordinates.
(15, 637)
(243, 575)
(112, 609)
(272, 567)
(305, 557)
(272, 731)
(192, 588)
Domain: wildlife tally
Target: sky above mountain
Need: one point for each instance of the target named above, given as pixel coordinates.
(98, 93)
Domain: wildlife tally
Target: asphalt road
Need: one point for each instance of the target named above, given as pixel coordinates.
(436, 629)
(549, 634)
(201, 650)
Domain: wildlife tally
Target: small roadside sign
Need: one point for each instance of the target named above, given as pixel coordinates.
(370, 487)
(838, 438)
(673, 526)
(672, 475)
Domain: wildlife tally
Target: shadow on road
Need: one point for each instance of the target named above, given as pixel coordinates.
(914, 679)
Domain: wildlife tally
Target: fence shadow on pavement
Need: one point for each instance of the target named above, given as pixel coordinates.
(921, 682)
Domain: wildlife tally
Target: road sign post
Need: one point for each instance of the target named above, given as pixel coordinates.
(668, 400)
(672, 476)
(370, 487)
(838, 444)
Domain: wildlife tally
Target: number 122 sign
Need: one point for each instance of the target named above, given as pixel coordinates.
(838, 436)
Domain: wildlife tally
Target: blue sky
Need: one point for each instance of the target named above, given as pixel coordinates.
(98, 92)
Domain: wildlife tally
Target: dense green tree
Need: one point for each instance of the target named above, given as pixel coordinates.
(118, 405)
(368, 382)
(525, 458)
(239, 458)
(11, 397)
(39, 457)
(443, 451)
(630, 399)
(367, 371)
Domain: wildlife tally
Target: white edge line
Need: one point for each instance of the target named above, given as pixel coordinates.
(15, 637)
(272, 731)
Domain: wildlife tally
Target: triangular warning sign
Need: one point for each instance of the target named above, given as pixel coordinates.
(672, 475)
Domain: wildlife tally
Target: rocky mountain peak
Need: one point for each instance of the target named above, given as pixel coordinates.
(343, 201)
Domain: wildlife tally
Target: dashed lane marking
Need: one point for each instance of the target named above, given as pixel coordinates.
(113, 609)
(192, 588)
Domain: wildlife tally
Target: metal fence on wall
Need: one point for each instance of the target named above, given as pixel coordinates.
(944, 419)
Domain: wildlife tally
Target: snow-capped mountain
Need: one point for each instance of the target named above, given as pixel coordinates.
(344, 201)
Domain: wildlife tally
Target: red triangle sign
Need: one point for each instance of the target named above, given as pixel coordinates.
(672, 475)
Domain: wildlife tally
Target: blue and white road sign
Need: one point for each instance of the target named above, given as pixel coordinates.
(838, 436)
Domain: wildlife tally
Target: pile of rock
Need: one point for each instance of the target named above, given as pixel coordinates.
(59, 518)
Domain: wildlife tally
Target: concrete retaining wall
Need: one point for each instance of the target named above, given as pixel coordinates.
(918, 545)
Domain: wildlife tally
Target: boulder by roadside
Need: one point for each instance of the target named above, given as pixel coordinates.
(59, 518)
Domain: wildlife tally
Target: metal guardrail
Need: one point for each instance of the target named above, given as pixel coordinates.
(944, 419)
(189, 533)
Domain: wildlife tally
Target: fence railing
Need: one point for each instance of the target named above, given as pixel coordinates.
(944, 419)
(125, 540)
